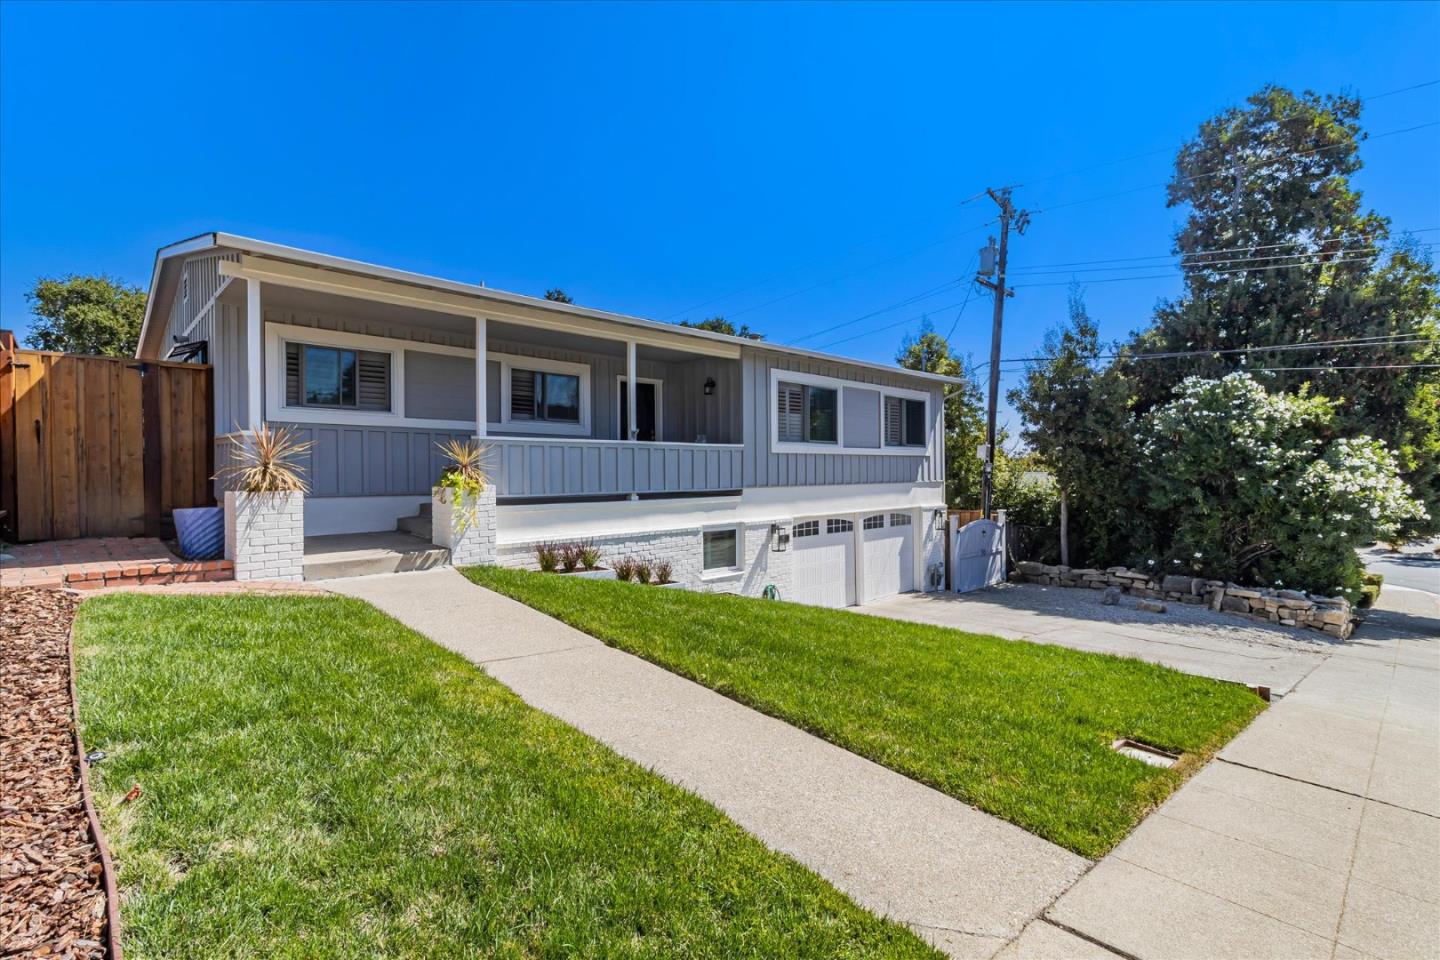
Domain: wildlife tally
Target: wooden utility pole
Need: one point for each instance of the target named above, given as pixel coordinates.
(1021, 219)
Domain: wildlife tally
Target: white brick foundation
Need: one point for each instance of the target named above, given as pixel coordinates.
(467, 529)
(265, 535)
(683, 549)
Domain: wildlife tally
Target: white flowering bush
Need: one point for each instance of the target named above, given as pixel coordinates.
(1253, 487)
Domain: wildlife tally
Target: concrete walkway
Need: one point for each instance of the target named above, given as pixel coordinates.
(963, 880)
(1316, 834)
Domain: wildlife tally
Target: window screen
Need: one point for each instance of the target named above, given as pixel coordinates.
(719, 552)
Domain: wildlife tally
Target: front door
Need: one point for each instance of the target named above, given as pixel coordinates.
(644, 410)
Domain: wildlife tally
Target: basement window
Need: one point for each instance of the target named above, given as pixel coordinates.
(721, 549)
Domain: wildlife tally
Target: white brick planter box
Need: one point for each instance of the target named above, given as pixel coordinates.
(265, 535)
(466, 528)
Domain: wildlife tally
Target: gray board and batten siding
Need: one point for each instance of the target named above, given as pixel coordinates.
(762, 468)
(350, 460)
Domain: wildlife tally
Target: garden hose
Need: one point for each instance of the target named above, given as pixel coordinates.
(771, 592)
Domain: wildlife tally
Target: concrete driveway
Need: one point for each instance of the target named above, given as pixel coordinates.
(1188, 638)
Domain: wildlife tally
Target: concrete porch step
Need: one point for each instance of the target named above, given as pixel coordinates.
(363, 554)
(415, 526)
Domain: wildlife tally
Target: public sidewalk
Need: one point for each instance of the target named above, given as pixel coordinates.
(963, 880)
(1315, 834)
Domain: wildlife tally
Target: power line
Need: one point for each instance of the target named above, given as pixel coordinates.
(947, 285)
(1378, 340)
(860, 270)
(1221, 273)
(1250, 263)
(1195, 253)
(891, 326)
(1364, 366)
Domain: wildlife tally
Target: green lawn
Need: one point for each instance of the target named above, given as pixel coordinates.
(1021, 730)
(319, 781)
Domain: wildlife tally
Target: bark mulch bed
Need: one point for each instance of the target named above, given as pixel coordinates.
(52, 873)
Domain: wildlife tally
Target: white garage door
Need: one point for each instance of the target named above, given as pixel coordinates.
(888, 540)
(824, 562)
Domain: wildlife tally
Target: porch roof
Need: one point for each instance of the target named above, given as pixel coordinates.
(168, 259)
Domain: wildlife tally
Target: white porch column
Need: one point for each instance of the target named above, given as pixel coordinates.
(630, 389)
(481, 368)
(254, 339)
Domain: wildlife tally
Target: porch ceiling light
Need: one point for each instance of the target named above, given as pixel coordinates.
(709, 386)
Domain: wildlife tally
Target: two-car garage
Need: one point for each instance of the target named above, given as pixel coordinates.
(842, 561)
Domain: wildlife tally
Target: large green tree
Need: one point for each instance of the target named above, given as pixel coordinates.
(964, 413)
(1076, 415)
(86, 314)
(1279, 249)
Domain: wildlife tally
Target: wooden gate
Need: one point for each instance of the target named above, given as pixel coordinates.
(100, 446)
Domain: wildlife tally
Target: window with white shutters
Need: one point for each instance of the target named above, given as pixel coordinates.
(904, 422)
(806, 413)
(318, 376)
(791, 400)
(536, 395)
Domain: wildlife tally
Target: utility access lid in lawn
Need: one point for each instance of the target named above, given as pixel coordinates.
(1021, 730)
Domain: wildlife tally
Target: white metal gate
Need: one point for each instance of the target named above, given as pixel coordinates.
(978, 556)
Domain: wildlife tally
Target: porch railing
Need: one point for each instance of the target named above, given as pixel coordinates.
(554, 467)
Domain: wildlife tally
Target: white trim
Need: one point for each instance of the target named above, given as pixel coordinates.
(659, 404)
(482, 369)
(570, 441)
(254, 360)
(631, 400)
(509, 361)
(527, 522)
(276, 409)
(838, 448)
(721, 573)
(718, 344)
(209, 305)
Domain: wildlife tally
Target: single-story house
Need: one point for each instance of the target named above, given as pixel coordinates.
(741, 462)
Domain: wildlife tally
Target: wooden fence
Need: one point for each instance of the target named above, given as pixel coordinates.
(100, 446)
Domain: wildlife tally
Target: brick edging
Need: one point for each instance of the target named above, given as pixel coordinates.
(139, 574)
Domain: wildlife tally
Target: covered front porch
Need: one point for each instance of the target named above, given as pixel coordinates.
(377, 374)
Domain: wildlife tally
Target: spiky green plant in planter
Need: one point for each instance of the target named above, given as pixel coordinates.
(464, 479)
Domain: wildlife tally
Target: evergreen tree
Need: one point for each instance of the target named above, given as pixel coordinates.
(1279, 249)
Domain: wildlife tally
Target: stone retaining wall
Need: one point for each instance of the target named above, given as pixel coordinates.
(1291, 608)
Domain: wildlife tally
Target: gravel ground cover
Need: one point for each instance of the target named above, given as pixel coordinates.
(52, 903)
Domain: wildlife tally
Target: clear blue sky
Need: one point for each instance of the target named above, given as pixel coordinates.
(650, 158)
